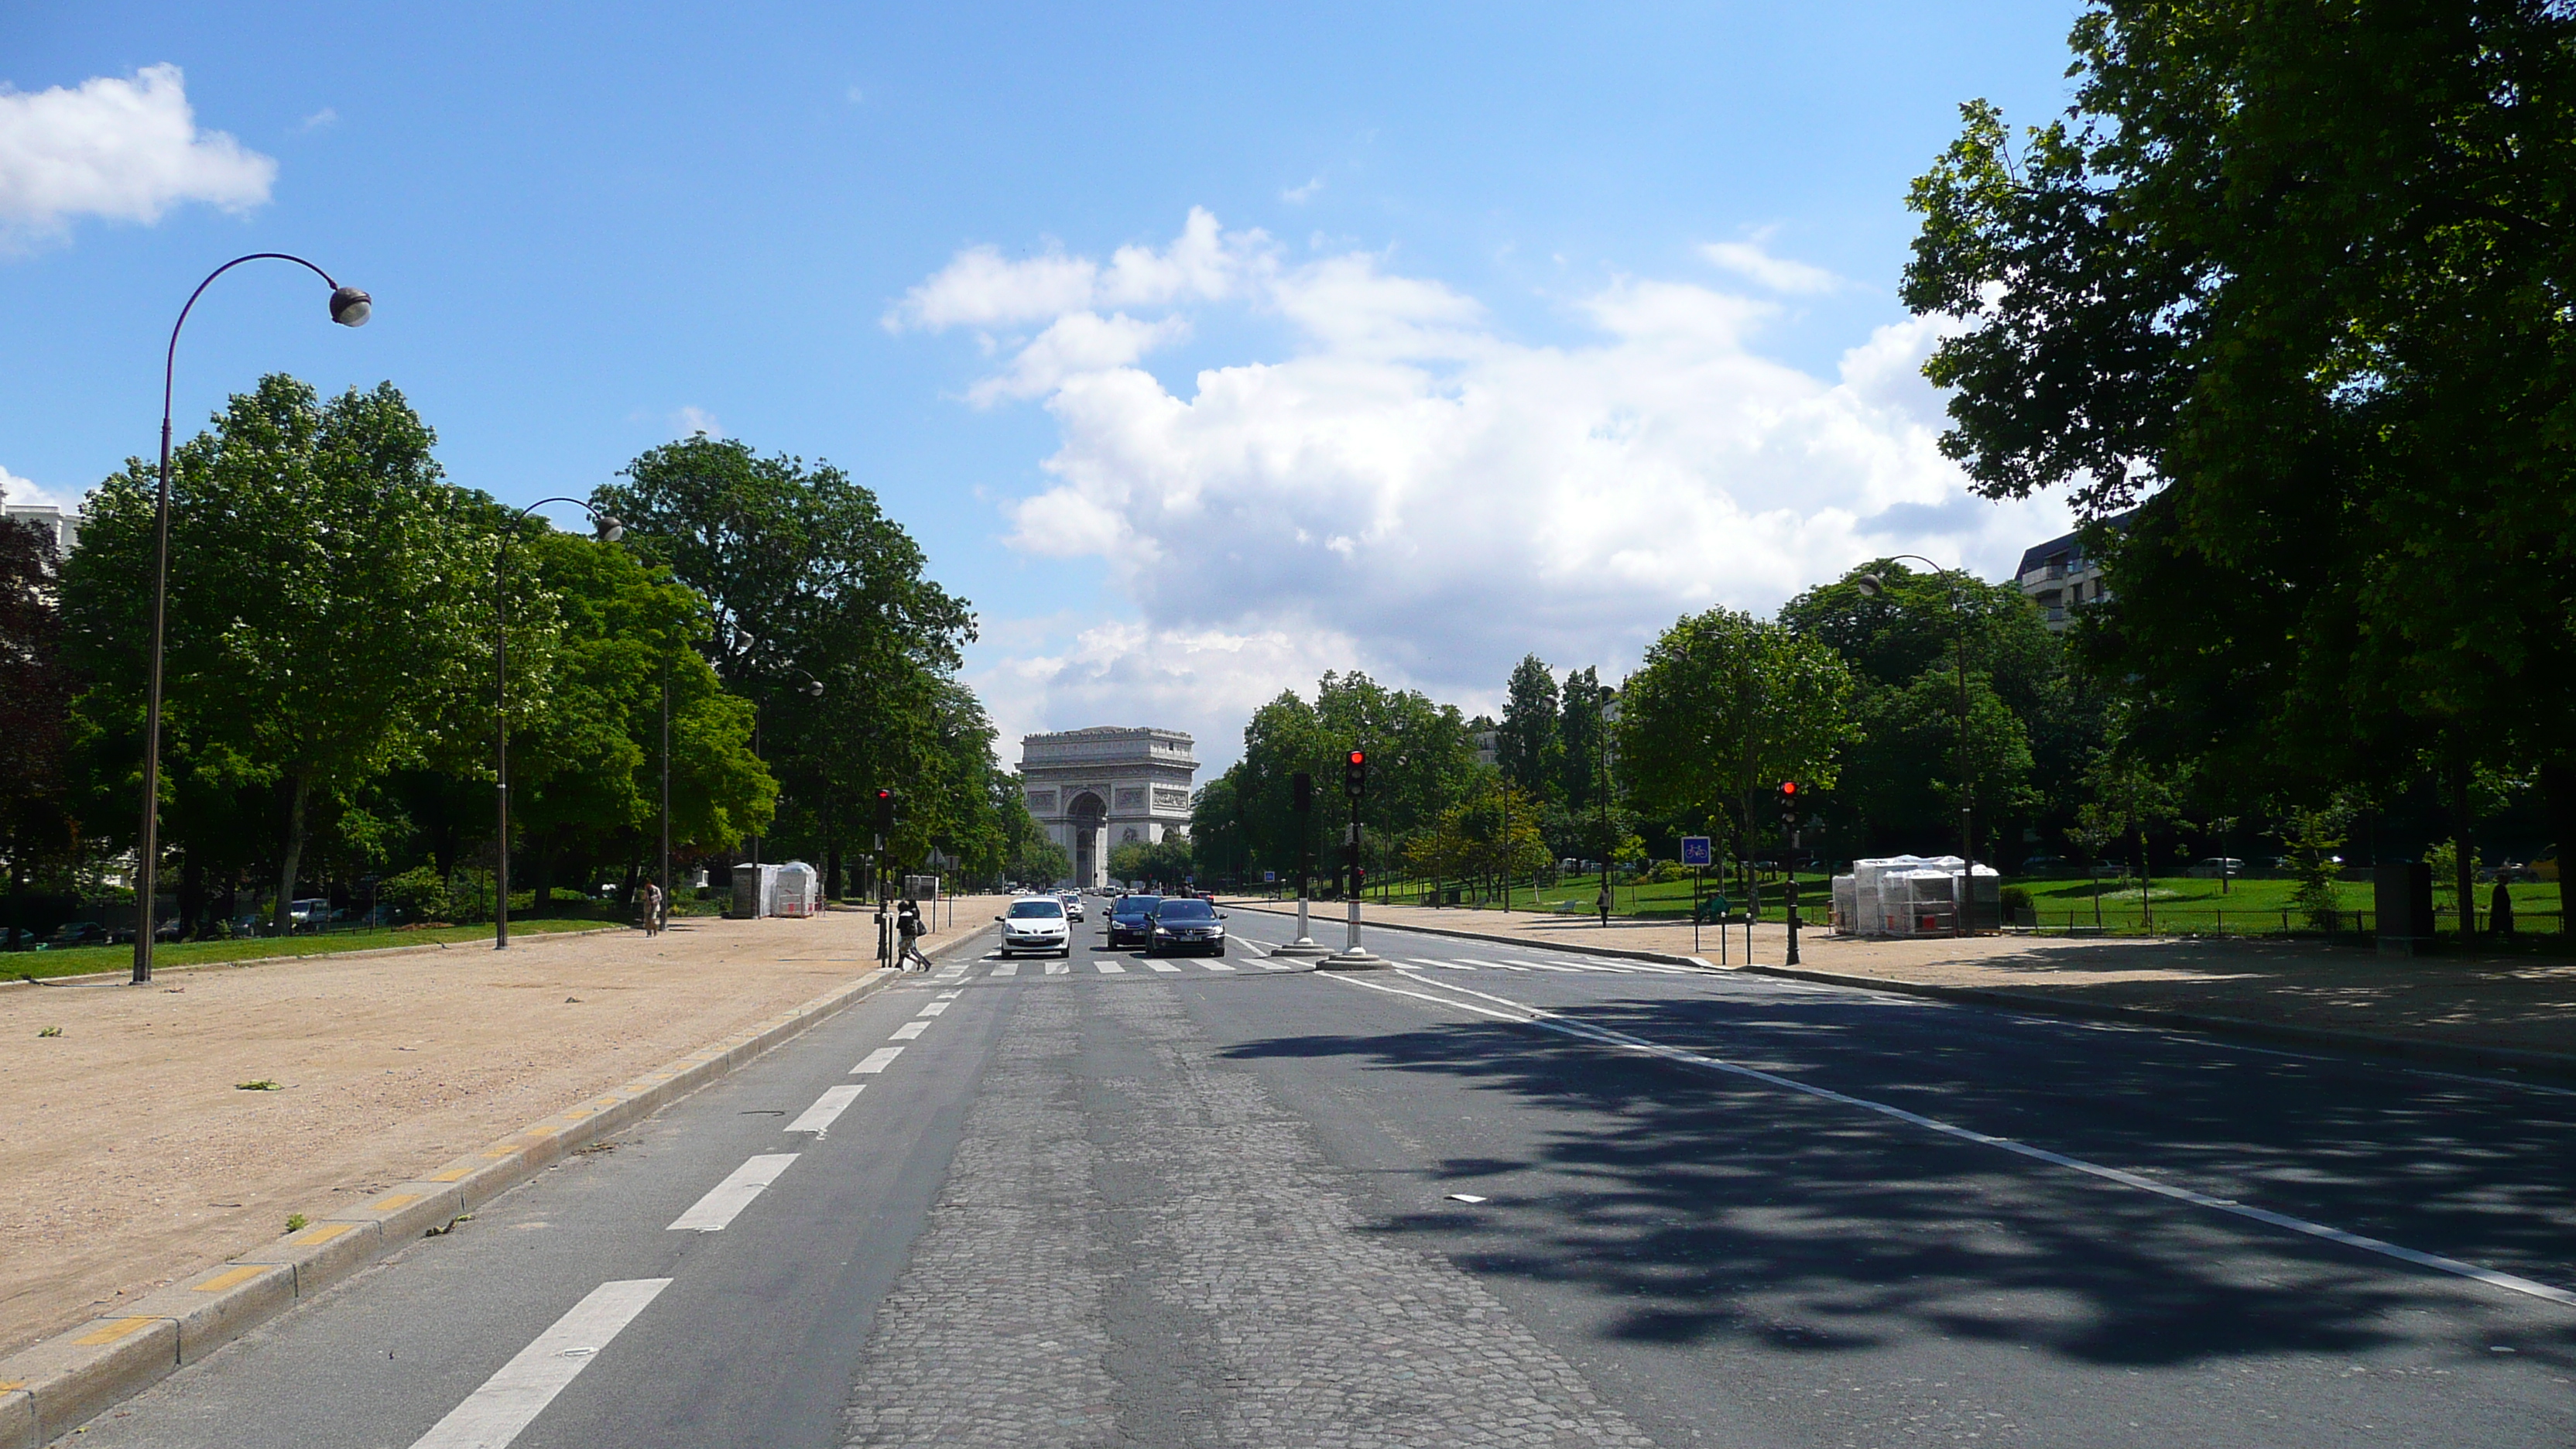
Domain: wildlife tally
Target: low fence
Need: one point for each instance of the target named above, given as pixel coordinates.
(2278, 921)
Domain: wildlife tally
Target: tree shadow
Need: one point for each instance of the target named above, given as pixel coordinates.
(1708, 1206)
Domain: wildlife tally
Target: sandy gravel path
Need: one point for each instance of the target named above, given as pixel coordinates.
(128, 1154)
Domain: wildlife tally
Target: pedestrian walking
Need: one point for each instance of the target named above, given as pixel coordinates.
(1604, 901)
(907, 923)
(652, 909)
(2500, 911)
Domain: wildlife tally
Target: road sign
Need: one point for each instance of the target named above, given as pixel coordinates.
(1695, 850)
(1270, 877)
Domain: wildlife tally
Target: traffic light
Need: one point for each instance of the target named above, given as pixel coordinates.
(1301, 788)
(885, 812)
(1788, 795)
(1355, 774)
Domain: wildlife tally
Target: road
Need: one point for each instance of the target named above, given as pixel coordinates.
(1491, 1197)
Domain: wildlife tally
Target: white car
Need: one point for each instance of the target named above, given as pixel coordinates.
(1036, 923)
(1072, 905)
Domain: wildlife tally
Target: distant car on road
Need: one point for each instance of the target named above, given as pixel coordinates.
(1186, 923)
(2218, 867)
(2048, 865)
(1036, 923)
(75, 933)
(1131, 921)
(1072, 905)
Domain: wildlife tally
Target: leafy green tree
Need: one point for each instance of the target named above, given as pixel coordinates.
(1492, 835)
(1724, 708)
(1164, 863)
(37, 828)
(1526, 744)
(2292, 274)
(1583, 730)
(330, 598)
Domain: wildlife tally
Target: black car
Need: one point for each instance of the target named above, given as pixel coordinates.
(1186, 923)
(1131, 921)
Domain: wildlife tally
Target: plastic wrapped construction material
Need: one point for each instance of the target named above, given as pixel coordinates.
(755, 890)
(1917, 895)
(1846, 905)
(800, 889)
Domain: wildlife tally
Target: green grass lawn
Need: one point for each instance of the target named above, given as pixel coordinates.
(82, 960)
(2173, 903)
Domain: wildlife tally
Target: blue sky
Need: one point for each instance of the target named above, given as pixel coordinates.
(1442, 334)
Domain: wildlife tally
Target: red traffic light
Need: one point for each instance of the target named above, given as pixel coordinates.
(1358, 758)
(1788, 788)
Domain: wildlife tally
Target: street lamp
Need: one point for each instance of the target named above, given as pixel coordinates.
(1873, 586)
(606, 529)
(350, 308)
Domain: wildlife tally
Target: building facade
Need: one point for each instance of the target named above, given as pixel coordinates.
(2061, 578)
(60, 528)
(1096, 789)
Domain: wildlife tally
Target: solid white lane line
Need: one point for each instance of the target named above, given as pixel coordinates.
(935, 1007)
(494, 1414)
(732, 1195)
(1058, 968)
(827, 1109)
(1549, 1021)
(1161, 966)
(909, 1030)
(1007, 968)
(876, 1061)
(1110, 968)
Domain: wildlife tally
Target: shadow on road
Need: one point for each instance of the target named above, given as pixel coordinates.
(1706, 1205)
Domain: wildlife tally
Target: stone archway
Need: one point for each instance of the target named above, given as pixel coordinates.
(1086, 812)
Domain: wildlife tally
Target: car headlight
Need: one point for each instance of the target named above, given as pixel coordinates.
(1162, 930)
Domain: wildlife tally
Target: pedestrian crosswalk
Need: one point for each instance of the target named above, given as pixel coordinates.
(1493, 962)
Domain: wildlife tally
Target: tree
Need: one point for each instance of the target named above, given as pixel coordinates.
(1527, 746)
(1724, 708)
(329, 605)
(1493, 835)
(2294, 275)
(1163, 863)
(36, 824)
(1584, 732)
(808, 580)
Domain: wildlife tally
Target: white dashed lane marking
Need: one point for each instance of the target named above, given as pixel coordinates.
(1110, 968)
(1007, 968)
(909, 1030)
(729, 1197)
(826, 1110)
(876, 1061)
(494, 1414)
(934, 1008)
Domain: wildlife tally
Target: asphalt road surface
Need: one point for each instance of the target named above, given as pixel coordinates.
(1489, 1197)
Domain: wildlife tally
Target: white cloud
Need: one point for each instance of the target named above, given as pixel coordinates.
(22, 493)
(1748, 259)
(1408, 490)
(982, 288)
(128, 150)
(1300, 195)
(320, 120)
(691, 420)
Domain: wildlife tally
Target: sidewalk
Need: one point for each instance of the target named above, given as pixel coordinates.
(130, 1154)
(2508, 1004)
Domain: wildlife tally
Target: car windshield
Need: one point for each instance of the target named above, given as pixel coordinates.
(1021, 910)
(1137, 905)
(1185, 911)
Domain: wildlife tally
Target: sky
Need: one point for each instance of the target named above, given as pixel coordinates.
(1204, 348)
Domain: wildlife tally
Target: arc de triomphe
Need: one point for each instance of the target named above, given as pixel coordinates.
(1096, 789)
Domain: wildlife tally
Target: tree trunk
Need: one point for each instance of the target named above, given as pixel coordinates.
(2558, 796)
(2464, 865)
(832, 869)
(192, 895)
(542, 847)
(282, 920)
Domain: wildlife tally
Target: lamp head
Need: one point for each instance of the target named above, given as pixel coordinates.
(1871, 586)
(607, 528)
(813, 688)
(351, 307)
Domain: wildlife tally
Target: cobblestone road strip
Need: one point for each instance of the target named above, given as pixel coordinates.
(1138, 1246)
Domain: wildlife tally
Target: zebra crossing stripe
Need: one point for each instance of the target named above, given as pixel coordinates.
(1110, 968)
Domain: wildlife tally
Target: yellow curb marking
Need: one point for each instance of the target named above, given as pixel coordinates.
(317, 1236)
(11, 1386)
(453, 1174)
(231, 1279)
(397, 1200)
(114, 1331)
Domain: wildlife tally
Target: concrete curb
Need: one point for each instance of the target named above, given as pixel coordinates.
(120, 978)
(2553, 1064)
(51, 1388)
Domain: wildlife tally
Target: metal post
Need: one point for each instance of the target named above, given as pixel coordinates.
(1791, 904)
(1305, 944)
(501, 741)
(666, 786)
(1353, 956)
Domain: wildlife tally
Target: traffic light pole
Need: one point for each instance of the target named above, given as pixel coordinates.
(1791, 958)
(1354, 956)
(1302, 800)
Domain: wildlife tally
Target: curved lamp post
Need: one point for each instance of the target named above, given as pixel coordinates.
(350, 308)
(1872, 586)
(606, 529)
